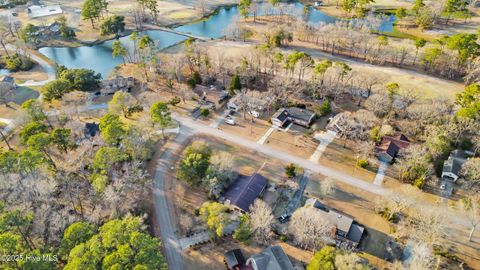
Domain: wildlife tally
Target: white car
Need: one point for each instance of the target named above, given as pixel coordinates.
(443, 186)
(230, 121)
(254, 113)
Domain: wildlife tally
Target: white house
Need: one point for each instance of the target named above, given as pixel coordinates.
(452, 166)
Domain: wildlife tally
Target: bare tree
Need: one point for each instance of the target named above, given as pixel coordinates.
(261, 220)
(393, 204)
(310, 228)
(327, 186)
(379, 104)
(471, 207)
(349, 261)
(423, 225)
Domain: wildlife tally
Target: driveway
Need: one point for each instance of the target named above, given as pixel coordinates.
(380, 173)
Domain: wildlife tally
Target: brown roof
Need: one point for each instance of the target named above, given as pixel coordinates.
(393, 144)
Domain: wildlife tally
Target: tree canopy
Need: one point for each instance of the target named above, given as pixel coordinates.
(119, 244)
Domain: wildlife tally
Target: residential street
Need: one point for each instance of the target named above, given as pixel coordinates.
(173, 252)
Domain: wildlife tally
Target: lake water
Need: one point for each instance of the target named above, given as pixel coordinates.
(99, 57)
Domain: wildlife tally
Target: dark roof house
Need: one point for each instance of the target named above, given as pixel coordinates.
(347, 230)
(389, 147)
(452, 166)
(8, 81)
(91, 129)
(243, 192)
(272, 258)
(234, 259)
(298, 116)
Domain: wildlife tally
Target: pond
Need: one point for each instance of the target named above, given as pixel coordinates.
(214, 26)
(99, 57)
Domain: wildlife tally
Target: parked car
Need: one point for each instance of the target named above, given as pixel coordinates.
(284, 218)
(254, 113)
(229, 120)
(443, 186)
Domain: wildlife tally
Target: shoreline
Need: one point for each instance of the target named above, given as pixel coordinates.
(128, 32)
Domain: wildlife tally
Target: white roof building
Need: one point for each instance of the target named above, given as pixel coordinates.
(42, 11)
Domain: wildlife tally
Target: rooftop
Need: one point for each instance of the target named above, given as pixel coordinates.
(243, 192)
(7, 79)
(272, 258)
(42, 11)
(392, 144)
(341, 221)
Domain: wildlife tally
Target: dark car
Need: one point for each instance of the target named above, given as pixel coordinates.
(284, 218)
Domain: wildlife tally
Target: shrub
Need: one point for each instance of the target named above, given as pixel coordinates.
(174, 101)
(204, 113)
(419, 183)
(134, 109)
(291, 170)
(191, 83)
(197, 77)
(17, 62)
(234, 85)
(362, 163)
(375, 134)
(283, 238)
(323, 109)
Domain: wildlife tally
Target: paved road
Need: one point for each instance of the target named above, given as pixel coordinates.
(173, 252)
(307, 164)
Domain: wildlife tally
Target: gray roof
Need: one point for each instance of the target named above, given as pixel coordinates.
(243, 192)
(301, 114)
(234, 258)
(281, 115)
(355, 233)
(272, 258)
(7, 79)
(340, 220)
(454, 162)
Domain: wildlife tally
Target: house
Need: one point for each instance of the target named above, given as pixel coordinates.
(211, 95)
(389, 147)
(301, 117)
(256, 102)
(119, 83)
(243, 192)
(347, 232)
(8, 81)
(42, 11)
(452, 166)
(234, 259)
(271, 258)
(91, 129)
(52, 29)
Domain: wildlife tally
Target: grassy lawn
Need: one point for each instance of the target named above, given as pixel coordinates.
(343, 159)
